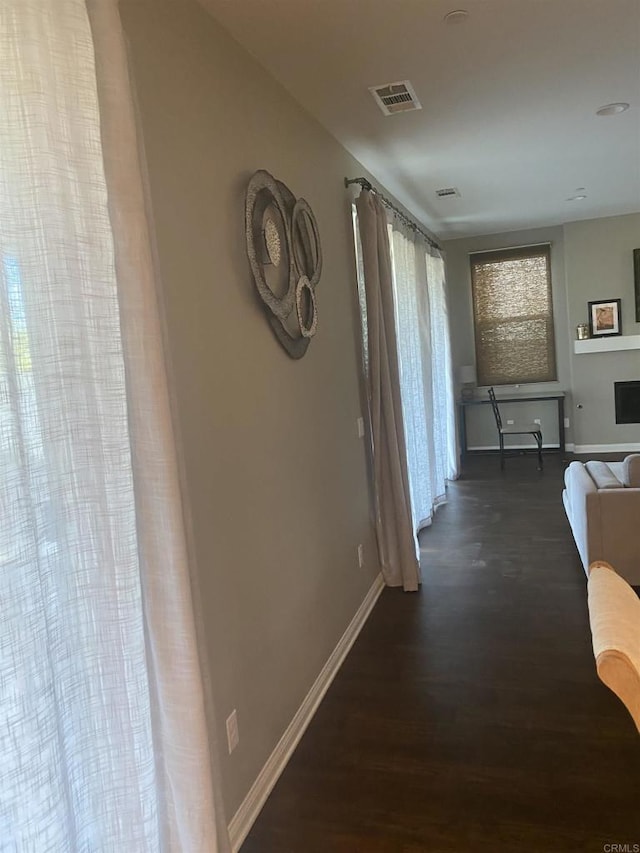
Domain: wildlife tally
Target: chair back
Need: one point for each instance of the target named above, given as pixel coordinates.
(494, 406)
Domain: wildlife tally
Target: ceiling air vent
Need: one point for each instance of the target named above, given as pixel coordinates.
(447, 192)
(395, 97)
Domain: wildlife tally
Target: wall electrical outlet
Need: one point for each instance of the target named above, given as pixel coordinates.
(537, 421)
(360, 423)
(233, 735)
(361, 555)
(510, 423)
(567, 423)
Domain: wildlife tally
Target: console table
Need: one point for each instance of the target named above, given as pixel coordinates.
(519, 398)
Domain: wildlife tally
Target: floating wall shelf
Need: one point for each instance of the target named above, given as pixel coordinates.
(612, 344)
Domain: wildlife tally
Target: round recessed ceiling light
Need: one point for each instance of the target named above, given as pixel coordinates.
(576, 198)
(458, 16)
(612, 109)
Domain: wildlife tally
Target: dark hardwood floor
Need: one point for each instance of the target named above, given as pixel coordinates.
(469, 717)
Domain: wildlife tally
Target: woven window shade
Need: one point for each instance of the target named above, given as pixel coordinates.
(513, 316)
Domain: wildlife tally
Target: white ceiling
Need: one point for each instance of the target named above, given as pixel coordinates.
(509, 99)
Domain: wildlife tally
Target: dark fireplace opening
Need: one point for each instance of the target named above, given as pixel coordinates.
(627, 402)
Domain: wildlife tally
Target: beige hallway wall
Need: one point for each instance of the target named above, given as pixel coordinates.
(276, 473)
(599, 256)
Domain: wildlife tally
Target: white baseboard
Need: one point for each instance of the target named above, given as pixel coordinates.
(531, 447)
(570, 447)
(629, 447)
(252, 804)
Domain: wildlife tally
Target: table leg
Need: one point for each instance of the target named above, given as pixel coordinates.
(462, 426)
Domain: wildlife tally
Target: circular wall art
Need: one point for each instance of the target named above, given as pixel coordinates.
(283, 246)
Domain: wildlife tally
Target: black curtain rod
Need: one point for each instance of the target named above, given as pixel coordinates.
(366, 185)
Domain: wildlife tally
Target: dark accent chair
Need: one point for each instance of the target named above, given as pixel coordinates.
(528, 429)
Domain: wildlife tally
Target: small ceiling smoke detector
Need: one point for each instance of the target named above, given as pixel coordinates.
(612, 109)
(448, 192)
(395, 98)
(457, 16)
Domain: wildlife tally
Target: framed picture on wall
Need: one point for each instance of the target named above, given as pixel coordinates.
(605, 318)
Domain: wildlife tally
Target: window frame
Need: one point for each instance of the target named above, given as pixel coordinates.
(504, 255)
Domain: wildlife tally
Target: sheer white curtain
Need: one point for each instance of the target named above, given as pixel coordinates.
(425, 369)
(102, 734)
(444, 411)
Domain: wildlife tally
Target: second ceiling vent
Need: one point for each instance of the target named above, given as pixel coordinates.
(395, 98)
(448, 192)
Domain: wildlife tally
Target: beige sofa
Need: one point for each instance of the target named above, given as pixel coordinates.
(602, 502)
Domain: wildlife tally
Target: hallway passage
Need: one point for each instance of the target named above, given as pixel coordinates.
(469, 717)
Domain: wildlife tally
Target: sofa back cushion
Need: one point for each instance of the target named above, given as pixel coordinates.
(602, 475)
(631, 471)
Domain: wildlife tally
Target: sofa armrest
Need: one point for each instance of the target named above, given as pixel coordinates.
(577, 479)
(614, 614)
(583, 511)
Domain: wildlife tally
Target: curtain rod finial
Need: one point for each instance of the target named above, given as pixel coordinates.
(363, 182)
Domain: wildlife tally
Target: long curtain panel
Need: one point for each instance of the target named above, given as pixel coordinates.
(102, 734)
(425, 369)
(414, 352)
(423, 353)
(187, 757)
(394, 526)
(444, 407)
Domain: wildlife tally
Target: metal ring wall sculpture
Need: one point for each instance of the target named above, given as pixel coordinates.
(283, 246)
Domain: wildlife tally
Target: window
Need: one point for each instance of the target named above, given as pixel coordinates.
(513, 316)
